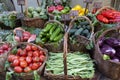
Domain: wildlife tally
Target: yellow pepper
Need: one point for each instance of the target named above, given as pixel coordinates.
(77, 7)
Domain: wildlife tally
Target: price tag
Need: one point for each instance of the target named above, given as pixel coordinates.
(97, 4)
(65, 17)
(88, 1)
(74, 13)
(21, 2)
(19, 33)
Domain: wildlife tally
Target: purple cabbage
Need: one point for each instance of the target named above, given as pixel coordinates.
(113, 42)
(108, 50)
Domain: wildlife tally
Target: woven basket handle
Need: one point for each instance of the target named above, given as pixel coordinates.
(104, 8)
(81, 17)
(26, 6)
(117, 29)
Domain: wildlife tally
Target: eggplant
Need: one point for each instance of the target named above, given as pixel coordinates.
(108, 50)
(115, 60)
(113, 42)
(117, 52)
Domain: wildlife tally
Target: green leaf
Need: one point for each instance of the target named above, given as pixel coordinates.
(36, 76)
(9, 75)
(7, 64)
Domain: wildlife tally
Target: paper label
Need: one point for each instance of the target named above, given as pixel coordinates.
(21, 2)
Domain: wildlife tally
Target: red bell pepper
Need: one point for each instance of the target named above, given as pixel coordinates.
(51, 9)
(59, 7)
(102, 18)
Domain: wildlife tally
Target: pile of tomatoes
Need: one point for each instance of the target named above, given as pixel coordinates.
(26, 60)
(4, 48)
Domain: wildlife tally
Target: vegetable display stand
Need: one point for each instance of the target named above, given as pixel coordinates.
(105, 18)
(54, 32)
(35, 20)
(23, 71)
(81, 40)
(60, 65)
(107, 62)
(5, 47)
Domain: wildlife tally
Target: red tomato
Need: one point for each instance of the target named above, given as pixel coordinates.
(30, 53)
(1, 51)
(36, 59)
(34, 48)
(11, 58)
(23, 53)
(5, 46)
(41, 52)
(28, 48)
(39, 64)
(16, 57)
(27, 69)
(23, 64)
(18, 69)
(42, 58)
(16, 62)
(35, 66)
(19, 51)
(36, 53)
(28, 60)
(22, 58)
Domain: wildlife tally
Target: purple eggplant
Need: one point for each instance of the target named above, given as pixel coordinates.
(108, 50)
(115, 60)
(117, 52)
(113, 42)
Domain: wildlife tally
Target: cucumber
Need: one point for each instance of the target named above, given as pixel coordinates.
(88, 27)
(72, 31)
(48, 27)
(60, 36)
(52, 30)
(85, 32)
(84, 23)
(55, 33)
(78, 32)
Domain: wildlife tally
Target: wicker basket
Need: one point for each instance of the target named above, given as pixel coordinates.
(3, 58)
(32, 22)
(52, 47)
(100, 26)
(51, 76)
(109, 68)
(29, 75)
(81, 40)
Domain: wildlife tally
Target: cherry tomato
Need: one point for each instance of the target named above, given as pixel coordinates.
(35, 66)
(36, 59)
(34, 48)
(36, 53)
(23, 53)
(16, 62)
(23, 64)
(28, 60)
(11, 58)
(27, 69)
(28, 48)
(22, 58)
(18, 69)
(30, 53)
(42, 58)
(19, 51)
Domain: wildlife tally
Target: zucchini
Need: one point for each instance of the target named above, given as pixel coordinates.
(48, 27)
(78, 32)
(84, 23)
(55, 33)
(52, 30)
(85, 32)
(59, 37)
